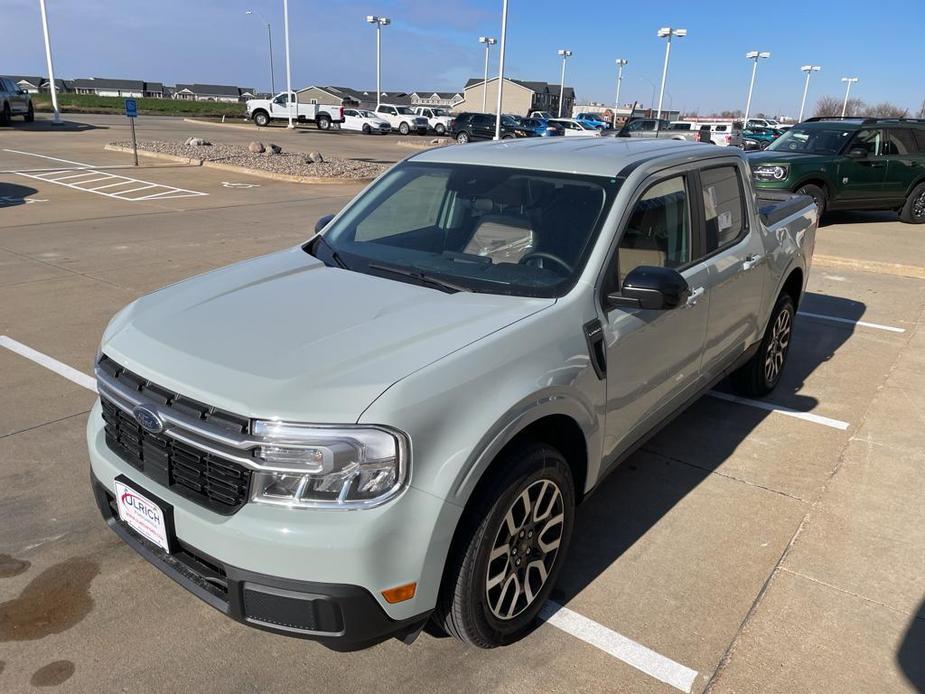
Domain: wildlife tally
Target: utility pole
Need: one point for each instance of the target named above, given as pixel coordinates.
(489, 42)
(809, 70)
(288, 62)
(667, 32)
(756, 56)
(501, 68)
(379, 22)
(620, 63)
(849, 81)
(52, 87)
(565, 56)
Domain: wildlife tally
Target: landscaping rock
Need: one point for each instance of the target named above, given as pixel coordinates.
(315, 158)
(197, 142)
(276, 149)
(256, 148)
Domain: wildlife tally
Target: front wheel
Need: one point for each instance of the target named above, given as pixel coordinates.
(817, 194)
(761, 374)
(30, 114)
(261, 119)
(404, 129)
(913, 212)
(509, 548)
(366, 129)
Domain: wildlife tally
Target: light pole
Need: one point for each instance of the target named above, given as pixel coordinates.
(501, 68)
(56, 118)
(379, 22)
(756, 56)
(288, 62)
(620, 63)
(809, 70)
(849, 81)
(565, 56)
(667, 33)
(489, 42)
(270, 44)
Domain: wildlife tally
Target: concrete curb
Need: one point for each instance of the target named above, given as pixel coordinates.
(239, 126)
(897, 269)
(289, 178)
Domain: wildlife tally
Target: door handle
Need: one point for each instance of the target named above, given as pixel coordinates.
(751, 261)
(694, 297)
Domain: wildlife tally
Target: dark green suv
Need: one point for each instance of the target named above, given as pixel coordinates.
(850, 164)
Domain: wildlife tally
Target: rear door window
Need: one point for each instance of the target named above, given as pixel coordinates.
(900, 141)
(723, 206)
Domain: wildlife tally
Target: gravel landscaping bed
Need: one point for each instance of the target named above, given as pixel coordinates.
(289, 163)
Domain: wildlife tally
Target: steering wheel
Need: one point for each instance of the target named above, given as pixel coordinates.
(542, 255)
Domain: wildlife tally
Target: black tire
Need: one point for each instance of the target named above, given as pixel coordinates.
(403, 128)
(507, 136)
(366, 129)
(5, 116)
(323, 122)
(30, 114)
(468, 606)
(261, 119)
(817, 194)
(440, 129)
(913, 212)
(761, 374)
(462, 137)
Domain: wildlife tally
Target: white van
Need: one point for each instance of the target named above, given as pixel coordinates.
(725, 133)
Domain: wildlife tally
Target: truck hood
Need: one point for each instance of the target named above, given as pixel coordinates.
(285, 336)
(772, 157)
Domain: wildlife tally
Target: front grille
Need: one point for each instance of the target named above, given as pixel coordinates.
(211, 481)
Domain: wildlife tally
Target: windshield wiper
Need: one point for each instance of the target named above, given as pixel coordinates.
(335, 256)
(443, 285)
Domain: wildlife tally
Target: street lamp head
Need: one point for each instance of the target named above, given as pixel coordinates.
(849, 79)
(810, 68)
(382, 21)
(755, 55)
(564, 53)
(680, 32)
(488, 40)
(663, 32)
(764, 54)
(622, 61)
(668, 31)
(248, 12)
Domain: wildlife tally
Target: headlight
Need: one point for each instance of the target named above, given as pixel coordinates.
(335, 467)
(772, 172)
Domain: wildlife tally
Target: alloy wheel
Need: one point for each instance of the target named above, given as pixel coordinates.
(777, 347)
(525, 549)
(918, 207)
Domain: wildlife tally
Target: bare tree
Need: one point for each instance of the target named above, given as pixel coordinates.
(828, 106)
(886, 110)
(922, 109)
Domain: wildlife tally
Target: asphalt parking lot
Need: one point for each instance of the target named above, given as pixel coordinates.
(749, 547)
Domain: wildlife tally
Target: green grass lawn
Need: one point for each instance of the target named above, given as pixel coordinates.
(89, 103)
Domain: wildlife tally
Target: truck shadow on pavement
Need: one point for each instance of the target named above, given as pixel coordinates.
(45, 125)
(642, 491)
(858, 217)
(911, 656)
(13, 194)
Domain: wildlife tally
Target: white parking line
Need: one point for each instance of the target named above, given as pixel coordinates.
(620, 647)
(55, 176)
(851, 321)
(780, 409)
(58, 367)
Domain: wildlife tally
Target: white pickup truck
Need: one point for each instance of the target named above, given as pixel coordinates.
(438, 119)
(262, 111)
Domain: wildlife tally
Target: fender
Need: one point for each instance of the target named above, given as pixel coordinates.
(544, 403)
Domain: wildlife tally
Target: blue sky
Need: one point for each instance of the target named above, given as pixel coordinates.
(433, 44)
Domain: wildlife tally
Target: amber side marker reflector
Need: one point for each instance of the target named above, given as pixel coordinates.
(399, 593)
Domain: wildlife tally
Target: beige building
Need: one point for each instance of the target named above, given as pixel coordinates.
(518, 97)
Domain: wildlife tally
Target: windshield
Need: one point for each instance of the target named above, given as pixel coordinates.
(478, 228)
(368, 114)
(513, 121)
(404, 110)
(812, 140)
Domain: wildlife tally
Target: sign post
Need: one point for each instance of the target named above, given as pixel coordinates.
(131, 112)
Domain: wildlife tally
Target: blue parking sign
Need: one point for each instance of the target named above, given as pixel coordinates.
(131, 108)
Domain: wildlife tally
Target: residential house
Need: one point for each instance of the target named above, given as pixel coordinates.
(30, 84)
(61, 86)
(212, 92)
(445, 99)
(347, 96)
(518, 97)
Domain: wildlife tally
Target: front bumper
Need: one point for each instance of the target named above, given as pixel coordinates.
(263, 562)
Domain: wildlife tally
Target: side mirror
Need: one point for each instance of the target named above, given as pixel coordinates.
(651, 288)
(323, 222)
(857, 153)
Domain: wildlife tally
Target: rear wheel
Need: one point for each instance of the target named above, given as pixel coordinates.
(462, 138)
(404, 129)
(261, 118)
(5, 116)
(323, 122)
(817, 194)
(913, 212)
(761, 374)
(509, 549)
(30, 114)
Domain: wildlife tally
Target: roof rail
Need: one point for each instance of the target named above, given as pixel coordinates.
(866, 120)
(816, 119)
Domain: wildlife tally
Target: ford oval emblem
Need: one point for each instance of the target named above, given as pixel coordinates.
(148, 419)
